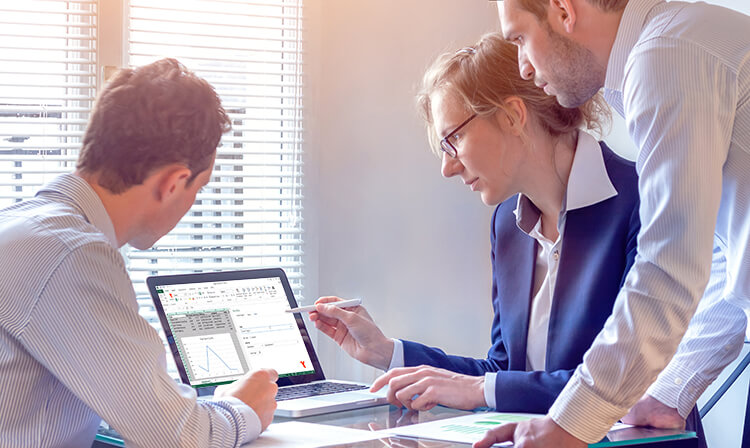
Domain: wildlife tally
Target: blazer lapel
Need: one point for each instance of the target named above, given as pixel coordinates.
(515, 273)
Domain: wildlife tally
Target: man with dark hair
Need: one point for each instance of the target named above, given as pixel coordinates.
(73, 348)
(125, 138)
(678, 73)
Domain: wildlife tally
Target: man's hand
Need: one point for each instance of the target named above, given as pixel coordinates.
(354, 330)
(536, 433)
(256, 389)
(432, 386)
(651, 412)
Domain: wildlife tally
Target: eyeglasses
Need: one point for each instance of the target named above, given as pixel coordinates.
(445, 143)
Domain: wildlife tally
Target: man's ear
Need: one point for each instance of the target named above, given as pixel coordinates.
(562, 13)
(515, 114)
(169, 180)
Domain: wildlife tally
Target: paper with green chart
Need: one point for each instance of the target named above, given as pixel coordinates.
(465, 429)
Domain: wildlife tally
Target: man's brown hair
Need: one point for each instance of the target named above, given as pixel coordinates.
(149, 117)
(539, 7)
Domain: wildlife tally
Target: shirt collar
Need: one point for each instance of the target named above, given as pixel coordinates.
(80, 194)
(588, 184)
(631, 25)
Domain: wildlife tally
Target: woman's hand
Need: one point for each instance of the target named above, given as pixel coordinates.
(424, 387)
(354, 330)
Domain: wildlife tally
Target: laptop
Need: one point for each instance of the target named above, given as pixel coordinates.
(220, 325)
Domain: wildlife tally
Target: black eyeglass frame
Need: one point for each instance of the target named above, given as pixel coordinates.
(446, 146)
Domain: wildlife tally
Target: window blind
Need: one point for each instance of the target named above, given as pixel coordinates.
(47, 87)
(249, 215)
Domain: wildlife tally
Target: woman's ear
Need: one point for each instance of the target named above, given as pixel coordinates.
(514, 114)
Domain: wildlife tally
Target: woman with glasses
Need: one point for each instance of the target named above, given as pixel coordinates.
(563, 238)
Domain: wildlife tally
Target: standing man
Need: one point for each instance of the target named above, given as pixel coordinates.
(73, 349)
(680, 75)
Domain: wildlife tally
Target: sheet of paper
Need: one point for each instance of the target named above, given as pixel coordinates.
(468, 428)
(464, 429)
(620, 425)
(310, 435)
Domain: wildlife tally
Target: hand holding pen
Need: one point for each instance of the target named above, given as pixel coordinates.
(353, 329)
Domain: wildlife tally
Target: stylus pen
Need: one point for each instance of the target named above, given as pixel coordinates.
(340, 304)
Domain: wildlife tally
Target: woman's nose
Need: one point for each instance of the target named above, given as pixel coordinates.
(450, 166)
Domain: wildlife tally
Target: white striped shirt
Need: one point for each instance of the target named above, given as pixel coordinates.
(680, 75)
(714, 338)
(73, 348)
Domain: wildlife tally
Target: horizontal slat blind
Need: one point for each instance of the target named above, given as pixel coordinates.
(47, 87)
(249, 215)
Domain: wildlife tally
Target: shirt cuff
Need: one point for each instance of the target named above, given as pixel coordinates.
(490, 378)
(678, 387)
(397, 359)
(582, 413)
(250, 418)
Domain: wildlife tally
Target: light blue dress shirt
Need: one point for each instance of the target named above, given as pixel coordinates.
(679, 74)
(73, 348)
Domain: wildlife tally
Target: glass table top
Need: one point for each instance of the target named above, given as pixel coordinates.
(386, 416)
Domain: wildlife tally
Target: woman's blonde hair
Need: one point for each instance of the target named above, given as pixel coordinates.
(484, 75)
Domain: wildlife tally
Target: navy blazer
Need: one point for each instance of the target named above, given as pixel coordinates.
(598, 249)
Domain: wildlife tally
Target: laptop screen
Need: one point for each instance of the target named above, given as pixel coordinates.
(222, 328)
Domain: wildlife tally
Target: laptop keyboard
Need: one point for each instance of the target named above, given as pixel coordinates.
(310, 390)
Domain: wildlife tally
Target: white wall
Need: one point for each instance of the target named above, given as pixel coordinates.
(381, 222)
